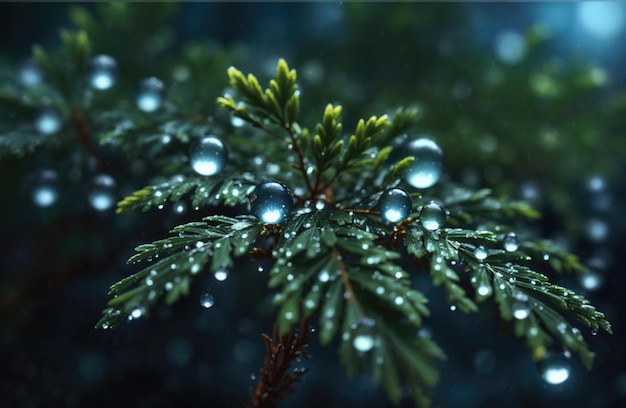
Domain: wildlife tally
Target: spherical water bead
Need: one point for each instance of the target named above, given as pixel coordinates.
(102, 193)
(432, 216)
(520, 306)
(271, 202)
(554, 367)
(208, 156)
(45, 190)
(395, 205)
(48, 121)
(510, 242)
(103, 72)
(426, 169)
(29, 73)
(206, 299)
(362, 335)
(480, 253)
(150, 94)
(221, 274)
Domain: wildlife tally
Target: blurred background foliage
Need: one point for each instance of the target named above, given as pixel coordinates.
(526, 99)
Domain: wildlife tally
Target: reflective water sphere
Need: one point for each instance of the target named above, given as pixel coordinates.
(271, 202)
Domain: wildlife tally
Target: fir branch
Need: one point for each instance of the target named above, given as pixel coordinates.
(275, 380)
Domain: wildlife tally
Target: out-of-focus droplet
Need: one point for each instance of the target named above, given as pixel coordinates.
(554, 367)
(221, 274)
(29, 73)
(101, 196)
(206, 299)
(510, 47)
(510, 242)
(426, 169)
(520, 306)
(45, 191)
(48, 121)
(150, 94)
(363, 335)
(103, 72)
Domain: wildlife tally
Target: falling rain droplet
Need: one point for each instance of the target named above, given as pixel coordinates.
(510, 242)
(554, 367)
(480, 253)
(103, 72)
(271, 202)
(208, 156)
(362, 334)
(221, 274)
(395, 204)
(29, 73)
(520, 306)
(426, 169)
(102, 193)
(48, 121)
(206, 299)
(45, 191)
(150, 94)
(432, 216)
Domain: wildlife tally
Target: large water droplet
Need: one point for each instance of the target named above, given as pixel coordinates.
(150, 94)
(426, 169)
(221, 274)
(102, 193)
(271, 202)
(432, 216)
(208, 156)
(520, 306)
(480, 253)
(362, 335)
(48, 121)
(510, 242)
(29, 73)
(103, 72)
(395, 204)
(206, 299)
(554, 367)
(45, 191)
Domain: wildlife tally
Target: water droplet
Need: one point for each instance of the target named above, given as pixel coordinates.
(221, 274)
(426, 169)
(180, 208)
(150, 94)
(323, 276)
(136, 312)
(237, 122)
(362, 335)
(432, 216)
(480, 253)
(546, 257)
(399, 300)
(48, 121)
(591, 280)
(271, 202)
(208, 156)
(510, 47)
(102, 193)
(510, 242)
(594, 332)
(103, 72)
(206, 299)
(452, 308)
(195, 268)
(484, 290)
(520, 306)
(554, 367)
(45, 191)
(29, 73)
(395, 204)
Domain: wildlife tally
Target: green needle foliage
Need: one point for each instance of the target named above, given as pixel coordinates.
(335, 258)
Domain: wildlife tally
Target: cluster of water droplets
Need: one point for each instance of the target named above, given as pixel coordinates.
(208, 156)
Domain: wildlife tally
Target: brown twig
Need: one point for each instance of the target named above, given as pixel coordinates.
(275, 380)
(82, 133)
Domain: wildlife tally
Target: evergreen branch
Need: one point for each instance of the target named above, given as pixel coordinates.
(275, 381)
